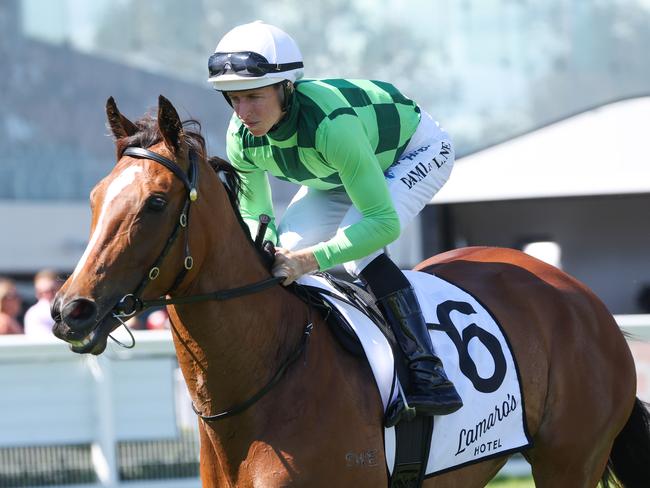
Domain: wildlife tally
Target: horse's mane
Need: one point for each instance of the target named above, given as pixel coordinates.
(149, 135)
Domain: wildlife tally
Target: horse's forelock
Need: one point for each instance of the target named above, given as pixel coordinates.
(149, 134)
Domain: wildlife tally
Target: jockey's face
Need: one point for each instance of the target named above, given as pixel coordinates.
(259, 109)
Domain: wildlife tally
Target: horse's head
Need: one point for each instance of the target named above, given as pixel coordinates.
(138, 211)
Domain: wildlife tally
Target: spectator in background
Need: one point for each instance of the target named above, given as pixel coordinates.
(643, 298)
(158, 319)
(38, 321)
(10, 303)
(134, 323)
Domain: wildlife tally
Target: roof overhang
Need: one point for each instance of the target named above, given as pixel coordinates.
(600, 152)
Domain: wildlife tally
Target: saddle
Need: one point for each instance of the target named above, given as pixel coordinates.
(354, 295)
(413, 437)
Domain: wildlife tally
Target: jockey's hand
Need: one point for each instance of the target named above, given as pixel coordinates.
(293, 264)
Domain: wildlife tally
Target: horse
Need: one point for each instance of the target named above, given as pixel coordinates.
(279, 402)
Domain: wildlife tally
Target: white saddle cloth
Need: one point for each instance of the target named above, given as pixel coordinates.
(477, 358)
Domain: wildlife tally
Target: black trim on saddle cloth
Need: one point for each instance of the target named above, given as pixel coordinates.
(412, 437)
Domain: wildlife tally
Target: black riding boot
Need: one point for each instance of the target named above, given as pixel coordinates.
(430, 391)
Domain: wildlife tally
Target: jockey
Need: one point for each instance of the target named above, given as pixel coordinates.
(368, 160)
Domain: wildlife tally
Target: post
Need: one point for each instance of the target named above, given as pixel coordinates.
(104, 447)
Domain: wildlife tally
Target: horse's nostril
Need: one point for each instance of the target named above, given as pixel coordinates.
(55, 309)
(79, 311)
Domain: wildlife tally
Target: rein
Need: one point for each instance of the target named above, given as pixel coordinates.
(132, 303)
(237, 409)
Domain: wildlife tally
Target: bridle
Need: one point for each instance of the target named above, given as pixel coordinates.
(132, 303)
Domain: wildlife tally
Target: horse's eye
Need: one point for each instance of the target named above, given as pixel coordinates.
(156, 203)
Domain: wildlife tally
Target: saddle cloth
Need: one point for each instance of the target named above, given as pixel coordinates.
(477, 358)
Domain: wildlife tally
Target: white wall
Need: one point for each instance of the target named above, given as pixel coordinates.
(38, 235)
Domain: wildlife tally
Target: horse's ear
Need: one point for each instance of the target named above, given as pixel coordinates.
(170, 124)
(119, 124)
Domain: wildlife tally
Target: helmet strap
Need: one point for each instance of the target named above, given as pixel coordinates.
(286, 99)
(287, 95)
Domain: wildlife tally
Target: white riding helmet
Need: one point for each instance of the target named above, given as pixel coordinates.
(252, 56)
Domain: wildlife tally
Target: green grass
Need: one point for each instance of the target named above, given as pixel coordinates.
(526, 482)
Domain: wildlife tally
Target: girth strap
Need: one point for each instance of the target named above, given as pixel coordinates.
(412, 445)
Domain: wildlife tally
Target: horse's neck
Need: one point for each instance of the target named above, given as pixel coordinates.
(229, 349)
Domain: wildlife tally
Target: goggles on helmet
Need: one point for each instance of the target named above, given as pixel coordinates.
(246, 64)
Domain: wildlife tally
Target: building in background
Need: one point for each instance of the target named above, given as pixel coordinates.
(487, 69)
(576, 193)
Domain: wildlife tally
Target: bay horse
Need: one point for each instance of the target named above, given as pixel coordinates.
(288, 404)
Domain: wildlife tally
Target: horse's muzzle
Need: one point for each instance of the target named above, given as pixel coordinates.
(77, 322)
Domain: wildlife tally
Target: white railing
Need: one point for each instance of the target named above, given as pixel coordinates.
(50, 396)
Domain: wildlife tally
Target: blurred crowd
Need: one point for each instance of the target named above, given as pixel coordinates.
(31, 315)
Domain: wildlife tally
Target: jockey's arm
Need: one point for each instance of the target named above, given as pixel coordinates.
(255, 198)
(346, 147)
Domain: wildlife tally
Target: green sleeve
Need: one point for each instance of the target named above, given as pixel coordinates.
(345, 146)
(255, 198)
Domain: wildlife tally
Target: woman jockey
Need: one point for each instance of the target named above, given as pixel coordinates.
(368, 160)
